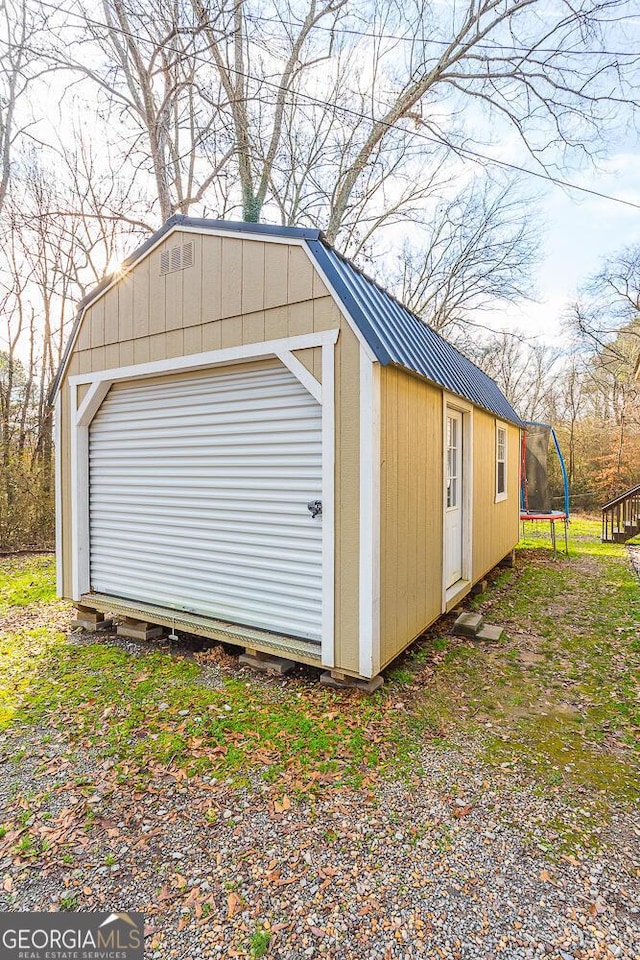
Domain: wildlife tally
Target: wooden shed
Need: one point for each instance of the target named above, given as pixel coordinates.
(256, 443)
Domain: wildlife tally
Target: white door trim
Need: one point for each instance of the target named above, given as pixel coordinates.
(369, 568)
(82, 414)
(301, 373)
(210, 358)
(451, 402)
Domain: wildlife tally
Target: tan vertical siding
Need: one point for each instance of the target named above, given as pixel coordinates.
(125, 308)
(231, 277)
(95, 331)
(140, 280)
(301, 272)
(157, 293)
(173, 310)
(252, 276)
(495, 525)
(276, 272)
(126, 353)
(192, 291)
(211, 283)
(237, 292)
(411, 509)
(110, 317)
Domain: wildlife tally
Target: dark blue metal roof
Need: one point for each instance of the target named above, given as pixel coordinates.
(397, 336)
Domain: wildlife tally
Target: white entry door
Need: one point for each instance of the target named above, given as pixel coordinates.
(202, 493)
(454, 481)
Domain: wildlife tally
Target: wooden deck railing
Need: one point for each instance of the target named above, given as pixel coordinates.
(621, 516)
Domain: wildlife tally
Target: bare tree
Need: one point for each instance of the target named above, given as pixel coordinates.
(605, 317)
(19, 31)
(258, 132)
(156, 89)
(477, 255)
(525, 370)
(522, 61)
(322, 111)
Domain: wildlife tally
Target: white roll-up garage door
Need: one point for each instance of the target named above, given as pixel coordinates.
(199, 489)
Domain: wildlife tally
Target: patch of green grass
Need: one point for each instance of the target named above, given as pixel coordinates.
(259, 943)
(111, 698)
(27, 580)
(68, 902)
(400, 676)
(576, 696)
(26, 846)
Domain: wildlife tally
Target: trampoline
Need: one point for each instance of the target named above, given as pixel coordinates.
(535, 500)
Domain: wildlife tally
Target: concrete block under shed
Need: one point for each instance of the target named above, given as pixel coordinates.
(468, 624)
(339, 681)
(139, 630)
(265, 663)
(91, 626)
(89, 620)
(88, 614)
(480, 587)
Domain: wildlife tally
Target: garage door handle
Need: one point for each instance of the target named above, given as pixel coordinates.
(315, 508)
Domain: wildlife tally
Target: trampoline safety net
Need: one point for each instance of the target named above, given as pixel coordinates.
(536, 469)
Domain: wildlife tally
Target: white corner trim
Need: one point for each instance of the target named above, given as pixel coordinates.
(57, 454)
(80, 576)
(299, 371)
(328, 504)
(369, 534)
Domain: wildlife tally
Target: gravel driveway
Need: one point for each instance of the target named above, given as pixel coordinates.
(447, 865)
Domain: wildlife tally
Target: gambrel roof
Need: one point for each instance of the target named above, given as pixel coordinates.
(393, 333)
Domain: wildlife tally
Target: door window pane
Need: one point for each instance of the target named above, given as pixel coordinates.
(452, 461)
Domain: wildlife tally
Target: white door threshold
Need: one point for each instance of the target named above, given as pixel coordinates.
(456, 592)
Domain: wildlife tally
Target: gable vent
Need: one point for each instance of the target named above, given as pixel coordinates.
(176, 258)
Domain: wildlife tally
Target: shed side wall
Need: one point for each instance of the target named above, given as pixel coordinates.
(237, 292)
(411, 509)
(495, 525)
